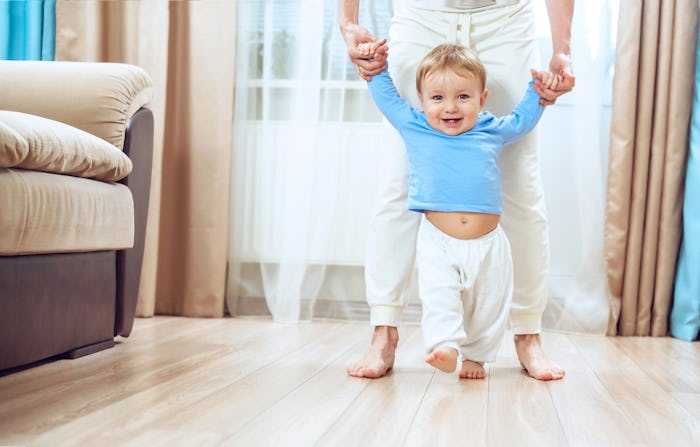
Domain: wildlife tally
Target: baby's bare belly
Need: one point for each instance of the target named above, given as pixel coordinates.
(462, 224)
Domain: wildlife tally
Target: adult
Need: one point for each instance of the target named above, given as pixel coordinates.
(502, 33)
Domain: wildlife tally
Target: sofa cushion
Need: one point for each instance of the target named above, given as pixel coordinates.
(42, 212)
(36, 143)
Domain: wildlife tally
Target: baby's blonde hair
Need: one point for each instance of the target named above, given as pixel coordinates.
(455, 57)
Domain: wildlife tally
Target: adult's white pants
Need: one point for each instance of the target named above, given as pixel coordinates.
(465, 287)
(504, 38)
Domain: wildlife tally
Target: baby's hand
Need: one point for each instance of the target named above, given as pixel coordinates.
(366, 49)
(545, 80)
(375, 50)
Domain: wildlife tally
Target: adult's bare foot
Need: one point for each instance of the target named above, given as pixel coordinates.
(444, 359)
(472, 370)
(380, 358)
(533, 359)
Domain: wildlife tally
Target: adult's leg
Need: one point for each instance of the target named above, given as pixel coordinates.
(391, 238)
(505, 40)
(389, 261)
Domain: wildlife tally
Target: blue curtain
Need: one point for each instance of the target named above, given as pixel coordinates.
(685, 314)
(27, 29)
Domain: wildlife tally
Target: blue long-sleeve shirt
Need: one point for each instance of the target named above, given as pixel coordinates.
(460, 172)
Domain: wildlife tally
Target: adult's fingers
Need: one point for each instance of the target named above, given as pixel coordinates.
(375, 68)
(371, 66)
(377, 44)
(567, 82)
(547, 96)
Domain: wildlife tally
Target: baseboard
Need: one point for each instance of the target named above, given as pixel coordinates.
(321, 309)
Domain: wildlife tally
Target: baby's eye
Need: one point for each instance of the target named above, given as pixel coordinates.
(463, 97)
(437, 98)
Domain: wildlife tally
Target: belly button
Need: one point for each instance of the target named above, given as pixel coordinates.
(465, 220)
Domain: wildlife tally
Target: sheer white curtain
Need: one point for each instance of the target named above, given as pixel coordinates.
(307, 153)
(304, 164)
(574, 152)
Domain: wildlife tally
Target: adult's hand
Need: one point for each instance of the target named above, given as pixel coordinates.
(560, 65)
(369, 61)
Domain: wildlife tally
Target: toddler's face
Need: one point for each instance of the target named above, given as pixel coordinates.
(451, 102)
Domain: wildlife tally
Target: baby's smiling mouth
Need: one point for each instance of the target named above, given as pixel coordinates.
(452, 121)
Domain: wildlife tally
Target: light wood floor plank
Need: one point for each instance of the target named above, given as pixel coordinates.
(81, 386)
(304, 415)
(521, 411)
(249, 381)
(588, 414)
(149, 333)
(652, 354)
(112, 425)
(243, 400)
(689, 401)
(453, 412)
(659, 418)
(382, 414)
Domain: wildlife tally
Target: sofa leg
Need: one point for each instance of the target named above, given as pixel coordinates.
(89, 349)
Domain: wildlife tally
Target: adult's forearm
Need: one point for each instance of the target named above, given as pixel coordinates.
(369, 61)
(560, 13)
(348, 12)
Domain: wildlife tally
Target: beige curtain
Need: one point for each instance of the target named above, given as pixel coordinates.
(652, 96)
(188, 49)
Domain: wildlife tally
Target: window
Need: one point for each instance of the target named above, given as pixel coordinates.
(286, 45)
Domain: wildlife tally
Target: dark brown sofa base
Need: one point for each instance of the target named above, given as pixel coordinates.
(55, 303)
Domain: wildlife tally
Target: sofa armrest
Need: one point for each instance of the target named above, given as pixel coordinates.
(97, 97)
(139, 147)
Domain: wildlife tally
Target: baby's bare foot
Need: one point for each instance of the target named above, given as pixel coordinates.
(444, 359)
(534, 360)
(380, 358)
(472, 370)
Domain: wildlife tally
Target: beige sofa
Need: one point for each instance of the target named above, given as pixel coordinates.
(75, 165)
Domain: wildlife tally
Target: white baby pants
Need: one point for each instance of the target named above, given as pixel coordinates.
(504, 39)
(466, 288)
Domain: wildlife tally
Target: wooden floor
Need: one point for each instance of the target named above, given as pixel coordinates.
(251, 382)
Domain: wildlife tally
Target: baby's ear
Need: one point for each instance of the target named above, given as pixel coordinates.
(484, 95)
